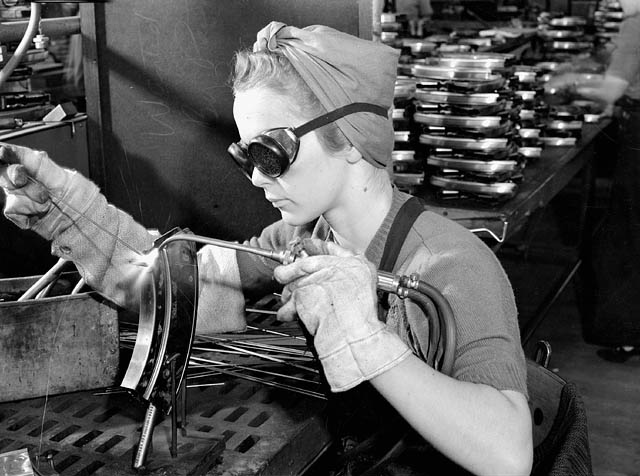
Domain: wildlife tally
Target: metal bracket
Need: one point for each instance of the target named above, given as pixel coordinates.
(499, 239)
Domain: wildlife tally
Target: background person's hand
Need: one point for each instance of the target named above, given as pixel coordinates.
(335, 297)
(605, 89)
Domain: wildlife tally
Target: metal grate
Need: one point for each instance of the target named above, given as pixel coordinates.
(257, 429)
(98, 434)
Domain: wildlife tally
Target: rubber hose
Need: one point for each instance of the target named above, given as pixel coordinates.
(23, 46)
(425, 291)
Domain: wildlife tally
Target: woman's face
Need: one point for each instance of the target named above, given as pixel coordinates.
(312, 185)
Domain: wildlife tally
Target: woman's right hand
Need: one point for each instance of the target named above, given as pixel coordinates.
(30, 179)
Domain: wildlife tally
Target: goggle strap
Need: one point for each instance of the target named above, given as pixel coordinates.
(339, 113)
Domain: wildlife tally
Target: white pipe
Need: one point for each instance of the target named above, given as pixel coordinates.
(32, 28)
(60, 27)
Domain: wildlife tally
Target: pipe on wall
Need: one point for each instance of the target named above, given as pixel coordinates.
(25, 43)
(51, 27)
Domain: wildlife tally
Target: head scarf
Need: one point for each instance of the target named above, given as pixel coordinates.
(342, 69)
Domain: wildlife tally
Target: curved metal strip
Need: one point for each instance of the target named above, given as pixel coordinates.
(165, 278)
(146, 333)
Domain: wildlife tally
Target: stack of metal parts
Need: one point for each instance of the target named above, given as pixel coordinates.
(564, 37)
(567, 48)
(527, 82)
(555, 117)
(408, 165)
(463, 126)
(607, 19)
(393, 26)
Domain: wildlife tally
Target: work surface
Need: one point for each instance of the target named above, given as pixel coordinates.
(543, 179)
(252, 427)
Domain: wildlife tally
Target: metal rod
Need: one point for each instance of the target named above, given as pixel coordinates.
(78, 287)
(44, 280)
(269, 383)
(145, 437)
(266, 347)
(271, 351)
(217, 364)
(173, 449)
(269, 331)
(260, 311)
(183, 407)
(292, 348)
(47, 289)
(241, 353)
(283, 256)
(273, 359)
(198, 385)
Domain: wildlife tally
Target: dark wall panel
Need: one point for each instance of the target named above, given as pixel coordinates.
(166, 107)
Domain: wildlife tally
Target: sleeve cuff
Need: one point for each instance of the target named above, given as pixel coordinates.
(352, 364)
(221, 300)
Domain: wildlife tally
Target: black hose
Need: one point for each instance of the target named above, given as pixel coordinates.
(425, 296)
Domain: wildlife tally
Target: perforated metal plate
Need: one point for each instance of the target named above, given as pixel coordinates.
(264, 431)
(238, 427)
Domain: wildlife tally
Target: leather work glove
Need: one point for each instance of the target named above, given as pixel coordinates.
(41, 195)
(334, 295)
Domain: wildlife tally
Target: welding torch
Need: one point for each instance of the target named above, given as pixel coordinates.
(434, 305)
(387, 282)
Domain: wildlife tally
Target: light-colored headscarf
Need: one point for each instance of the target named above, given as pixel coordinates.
(342, 69)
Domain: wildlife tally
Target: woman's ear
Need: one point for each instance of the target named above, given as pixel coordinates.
(352, 155)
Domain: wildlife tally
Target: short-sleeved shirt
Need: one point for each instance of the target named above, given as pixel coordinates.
(458, 264)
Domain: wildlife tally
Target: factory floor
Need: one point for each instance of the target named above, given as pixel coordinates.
(610, 391)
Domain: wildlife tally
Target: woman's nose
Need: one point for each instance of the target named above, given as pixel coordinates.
(258, 179)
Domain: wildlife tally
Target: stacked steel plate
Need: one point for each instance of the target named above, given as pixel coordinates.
(408, 167)
(393, 26)
(465, 121)
(468, 122)
(607, 19)
(527, 82)
(567, 49)
(564, 38)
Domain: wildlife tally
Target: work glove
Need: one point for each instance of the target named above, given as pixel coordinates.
(334, 294)
(39, 194)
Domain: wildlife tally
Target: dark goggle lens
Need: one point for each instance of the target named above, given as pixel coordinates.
(268, 156)
(270, 152)
(239, 155)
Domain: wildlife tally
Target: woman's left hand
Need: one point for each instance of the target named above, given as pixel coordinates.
(334, 294)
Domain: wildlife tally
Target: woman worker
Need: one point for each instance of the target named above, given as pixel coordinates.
(330, 183)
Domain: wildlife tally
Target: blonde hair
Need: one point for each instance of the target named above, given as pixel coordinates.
(266, 69)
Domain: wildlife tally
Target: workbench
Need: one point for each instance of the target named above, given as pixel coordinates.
(543, 179)
(233, 427)
(248, 428)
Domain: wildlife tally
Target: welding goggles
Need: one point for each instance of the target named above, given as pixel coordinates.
(274, 150)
